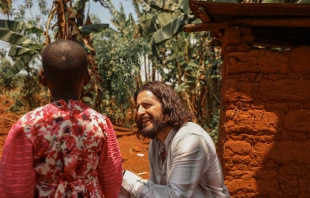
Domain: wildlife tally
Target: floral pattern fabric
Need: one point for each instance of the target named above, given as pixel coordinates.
(68, 140)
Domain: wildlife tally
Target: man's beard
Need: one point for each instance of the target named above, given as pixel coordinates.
(151, 131)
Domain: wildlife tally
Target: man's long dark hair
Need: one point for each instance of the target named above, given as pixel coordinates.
(174, 112)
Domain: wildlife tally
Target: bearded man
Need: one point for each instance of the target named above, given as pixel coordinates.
(182, 156)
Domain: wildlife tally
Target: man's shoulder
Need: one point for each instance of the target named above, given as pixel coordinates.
(190, 128)
(193, 129)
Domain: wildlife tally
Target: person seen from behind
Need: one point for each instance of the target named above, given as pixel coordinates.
(182, 156)
(62, 149)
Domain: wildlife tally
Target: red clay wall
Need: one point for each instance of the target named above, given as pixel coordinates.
(265, 118)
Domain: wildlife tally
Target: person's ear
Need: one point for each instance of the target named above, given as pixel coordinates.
(42, 79)
(88, 77)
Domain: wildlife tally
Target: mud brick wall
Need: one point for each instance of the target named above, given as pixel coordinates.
(264, 141)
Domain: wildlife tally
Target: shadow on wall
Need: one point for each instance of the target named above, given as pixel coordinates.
(265, 123)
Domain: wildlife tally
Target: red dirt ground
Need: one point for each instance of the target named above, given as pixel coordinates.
(134, 151)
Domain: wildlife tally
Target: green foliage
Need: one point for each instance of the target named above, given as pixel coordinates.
(23, 49)
(6, 84)
(93, 28)
(27, 40)
(153, 45)
(214, 126)
(118, 55)
(184, 60)
(25, 36)
(162, 20)
(19, 105)
(31, 94)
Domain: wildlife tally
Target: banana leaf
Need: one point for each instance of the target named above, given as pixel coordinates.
(148, 26)
(80, 4)
(184, 5)
(164, 5)
(19, 64)
(171, 58)
(22, 47)
(169, 30)
(172, 28)
(18, 51)
(16, 26)
(154, 23)
(171, 5)
(166, 18)
(18, 39)
(94, 28)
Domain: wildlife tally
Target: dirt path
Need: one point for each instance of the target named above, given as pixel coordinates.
(7, 119)
(134, 151)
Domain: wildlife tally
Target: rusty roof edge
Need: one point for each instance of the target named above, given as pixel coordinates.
(224, 9)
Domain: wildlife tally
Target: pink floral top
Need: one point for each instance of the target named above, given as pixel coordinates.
(61, 150)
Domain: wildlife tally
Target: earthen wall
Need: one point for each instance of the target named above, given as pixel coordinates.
(265, 118)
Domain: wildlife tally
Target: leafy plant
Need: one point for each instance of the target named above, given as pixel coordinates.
(6, 84)
(119, 61)
(70, 22)
(184, 60)
(22, 49)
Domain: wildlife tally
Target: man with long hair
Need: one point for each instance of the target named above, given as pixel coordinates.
(182, 156)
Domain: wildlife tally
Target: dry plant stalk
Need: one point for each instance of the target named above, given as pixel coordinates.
(67, 18)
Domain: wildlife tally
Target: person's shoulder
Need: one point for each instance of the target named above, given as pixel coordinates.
(194, 131)
(92, 111)
(191, 124)
(85, 107)
(100, 118)
(32, 115)
(190, 128)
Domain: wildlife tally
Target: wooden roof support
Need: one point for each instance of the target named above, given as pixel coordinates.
(266, 22)
(279, 24)
(203, 15)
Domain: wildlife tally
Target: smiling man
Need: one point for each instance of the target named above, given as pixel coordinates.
(182, 156)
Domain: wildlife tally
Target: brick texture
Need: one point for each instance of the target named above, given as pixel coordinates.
(265, 118)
